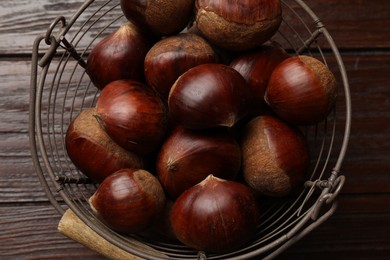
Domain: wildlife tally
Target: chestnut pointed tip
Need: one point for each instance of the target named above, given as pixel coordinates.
(211, 178)
(230, 120)
(91, 203)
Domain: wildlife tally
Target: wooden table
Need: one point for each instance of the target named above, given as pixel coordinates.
(360, 229)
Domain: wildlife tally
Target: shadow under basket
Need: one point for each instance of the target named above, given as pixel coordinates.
(60, 89)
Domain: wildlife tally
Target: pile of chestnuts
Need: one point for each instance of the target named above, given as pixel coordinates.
(198, 118)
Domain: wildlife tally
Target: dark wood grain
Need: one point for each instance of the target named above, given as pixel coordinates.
(355, 23)
(23, 20)
(360, 227)
(366, 165)
(352, 23)
(349, 233)
(29, 232)
(27, 19)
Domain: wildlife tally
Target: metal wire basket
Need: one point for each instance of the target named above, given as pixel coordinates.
(62, 89)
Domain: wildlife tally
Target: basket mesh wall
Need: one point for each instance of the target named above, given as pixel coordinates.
(64, 89)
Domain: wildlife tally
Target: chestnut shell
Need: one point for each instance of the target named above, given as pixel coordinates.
(275, 156)
(119, 56)
(301, 90)
(238, 25)
(133, 115)
(256, 67)
(129, 201)
(158, 17)
(207, 96)
(215, 215)
(92, 151)
(188, 156)
(172, 56)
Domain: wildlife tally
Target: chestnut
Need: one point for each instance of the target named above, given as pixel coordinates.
(160, 17)
(188, 156)
(118, 56)
(209, 95)
(133, 115)
(301, 90)
(238, 25)
(215, 215)
(275, 156)
(256, 67)
(172, 56)
(92, 151)
(129, 200)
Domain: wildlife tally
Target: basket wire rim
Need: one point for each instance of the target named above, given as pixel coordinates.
(35, 133)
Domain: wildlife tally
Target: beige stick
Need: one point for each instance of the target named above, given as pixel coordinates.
(74, 228)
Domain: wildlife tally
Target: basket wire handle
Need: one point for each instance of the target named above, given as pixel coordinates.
(313, 37)
(35, 95)
(330, 188)
(36, 143)
(49, 32)
(329, 196)
(293, 236)
(59, 40)
(33, 120)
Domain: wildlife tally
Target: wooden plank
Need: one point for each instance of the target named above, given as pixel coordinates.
(23, 20)
(359, 226)
(366, 166)
(14, 95)
(355, 23)
(29, 232)
(358, 230)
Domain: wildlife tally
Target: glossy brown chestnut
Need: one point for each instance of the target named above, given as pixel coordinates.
(215, 215)
(118, 56)
(172, 56)
(161, 17)
(128, 201)
(209, 95)
(275, 156)
(92, 151)
(238, 25)
(133, 115)
(256, 67)
(301, 90)
(188, 156)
